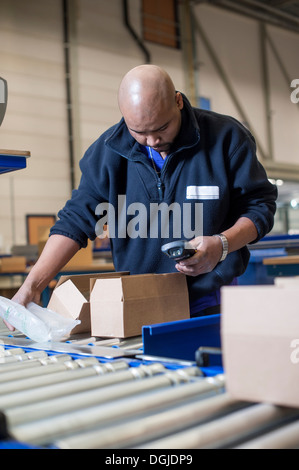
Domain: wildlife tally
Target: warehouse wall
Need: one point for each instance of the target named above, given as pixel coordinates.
(31, 58)
(102, 50)
(235, 40)
(32, 62)
(105, 52)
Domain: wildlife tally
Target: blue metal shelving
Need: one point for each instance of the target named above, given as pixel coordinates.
(12, 160)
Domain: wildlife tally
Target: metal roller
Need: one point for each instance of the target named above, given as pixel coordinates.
(53, 377)
(34, 362)
(15, 366)
(38, 369)
(49, 398)
(57, 398)
(102, 416)
(227, 430)
(286, 437)
(50, 364)
(15, 351)
(161, 423)
(58, 384)
(21, 356)
(4, 352)
(39, 431)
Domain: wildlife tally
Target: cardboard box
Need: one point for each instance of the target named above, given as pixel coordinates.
(71, 298)
(117, 304)
(260, 342)
(10, 264)
(120, 307)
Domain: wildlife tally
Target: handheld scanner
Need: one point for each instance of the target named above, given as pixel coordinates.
(178, 250)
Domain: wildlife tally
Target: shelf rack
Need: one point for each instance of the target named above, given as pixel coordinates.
(12, 160)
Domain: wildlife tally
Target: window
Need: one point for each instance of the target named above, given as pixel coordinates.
(160, 22)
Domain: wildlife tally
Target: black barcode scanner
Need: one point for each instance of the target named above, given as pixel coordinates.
(178, 250)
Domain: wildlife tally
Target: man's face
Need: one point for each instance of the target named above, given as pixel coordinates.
(157, 128)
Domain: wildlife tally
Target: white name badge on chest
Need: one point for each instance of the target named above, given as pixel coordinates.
(202, 192)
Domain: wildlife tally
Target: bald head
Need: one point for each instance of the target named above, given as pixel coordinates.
(143, 86)
(149, 104)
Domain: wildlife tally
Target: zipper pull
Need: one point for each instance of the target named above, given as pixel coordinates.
(160, 192)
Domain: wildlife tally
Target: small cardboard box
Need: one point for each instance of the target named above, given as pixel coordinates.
(117, 304)
(260, 342)
(121, 306)
(71, 298)
(9, 264)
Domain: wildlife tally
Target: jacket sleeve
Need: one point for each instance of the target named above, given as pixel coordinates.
(252, 194)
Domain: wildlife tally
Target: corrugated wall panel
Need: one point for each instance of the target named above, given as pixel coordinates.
(32, 62)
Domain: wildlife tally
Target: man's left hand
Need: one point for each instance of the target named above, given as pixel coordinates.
(209, 251)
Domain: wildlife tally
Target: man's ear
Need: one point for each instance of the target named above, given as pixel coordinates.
(179, 100)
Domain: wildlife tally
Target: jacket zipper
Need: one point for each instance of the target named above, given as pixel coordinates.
(159, 186)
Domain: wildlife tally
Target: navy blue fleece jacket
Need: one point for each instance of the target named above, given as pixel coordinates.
(211, 150)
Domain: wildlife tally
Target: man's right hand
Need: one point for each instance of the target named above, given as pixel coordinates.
(56, 253)
(24, 296)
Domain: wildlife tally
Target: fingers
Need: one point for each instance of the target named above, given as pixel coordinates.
(188, 271)
(203, 261)
(192, 267)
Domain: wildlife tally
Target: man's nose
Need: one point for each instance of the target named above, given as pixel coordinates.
(153, 140)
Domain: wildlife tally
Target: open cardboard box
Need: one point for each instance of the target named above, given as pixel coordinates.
(121, 306)
(118, 304)
(260, 342)
(71, 298)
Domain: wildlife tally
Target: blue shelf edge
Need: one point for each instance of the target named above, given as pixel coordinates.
(10, 163)
(181, 339)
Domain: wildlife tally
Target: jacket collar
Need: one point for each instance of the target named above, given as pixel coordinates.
(121, 141)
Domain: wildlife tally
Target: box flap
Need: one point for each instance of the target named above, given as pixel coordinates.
(67, 300)
(154, 285)
(83, 282)
(84, 317)
(107, 290)
(109, 275)
(139, 286)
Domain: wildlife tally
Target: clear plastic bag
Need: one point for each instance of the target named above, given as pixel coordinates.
(38, 323)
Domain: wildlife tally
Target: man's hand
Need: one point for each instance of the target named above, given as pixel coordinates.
(209, 251)
(24, 296)
(56, 253)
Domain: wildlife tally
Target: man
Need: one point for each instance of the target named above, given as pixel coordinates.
(165, 151)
